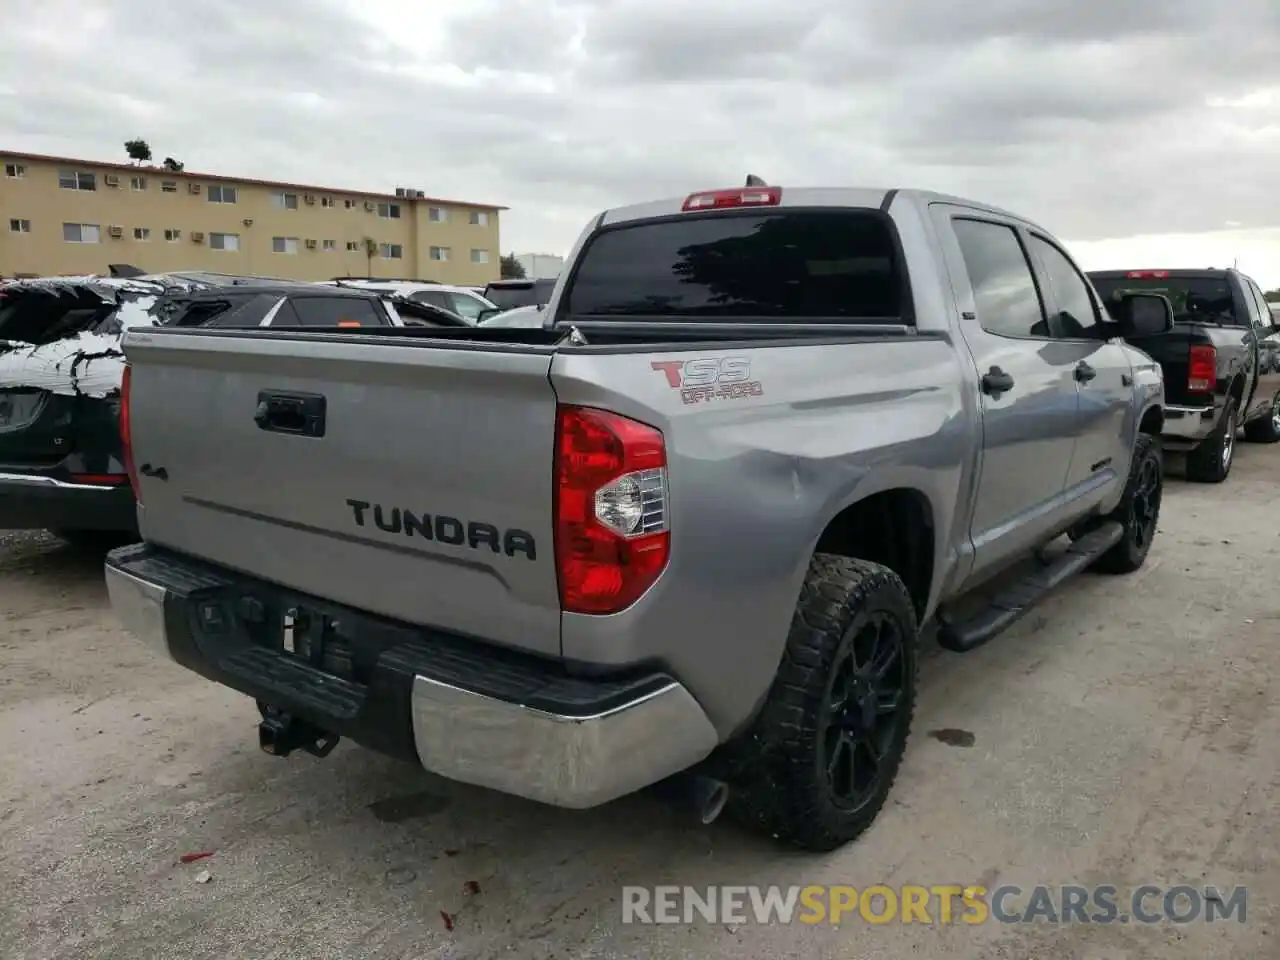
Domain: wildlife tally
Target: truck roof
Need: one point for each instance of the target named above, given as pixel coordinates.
(863, 197)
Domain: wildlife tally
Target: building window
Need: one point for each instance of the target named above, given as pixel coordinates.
(19, 226)
(327, 202)
(221, 194)
(15, 171)
(440, 253)
(479, 256)
(80, 232)
(225, 241)
(137, 183)
(75, 180)
(479, 218)
(438, 215)
(142, 233)
(389, 211)
(349, 203)
(330, 246)
(287, 201)
(168, 186)
(390, 251)
(284, 244)
(352, 246)
(173, 235)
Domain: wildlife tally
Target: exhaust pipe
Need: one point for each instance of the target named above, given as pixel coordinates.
(704, 796)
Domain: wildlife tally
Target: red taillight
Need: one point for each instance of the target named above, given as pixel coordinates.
(1202, 369)
(100, 479)
(126, 433)
(1148, 275)
(612, 534)
(737, 197)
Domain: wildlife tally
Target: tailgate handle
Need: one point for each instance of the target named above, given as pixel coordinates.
(301, 414)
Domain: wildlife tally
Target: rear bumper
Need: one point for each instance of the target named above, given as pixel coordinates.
(463, 710)
(1189, 425)
(33, 502)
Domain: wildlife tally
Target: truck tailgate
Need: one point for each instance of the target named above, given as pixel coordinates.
(425, 494)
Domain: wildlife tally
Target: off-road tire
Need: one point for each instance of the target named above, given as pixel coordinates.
(1211, 461)
(1131, 552)
(779, 784)
(1266, 428)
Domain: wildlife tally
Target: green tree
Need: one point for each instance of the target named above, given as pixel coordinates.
(174, 166)
(1273, 296)
(512, 269)
(138, 150)
(370, 251)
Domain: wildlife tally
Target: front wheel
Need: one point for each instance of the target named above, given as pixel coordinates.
(1138, 512)
(818, 763)
(1265, 429)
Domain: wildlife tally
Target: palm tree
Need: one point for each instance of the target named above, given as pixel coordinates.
(370, 251)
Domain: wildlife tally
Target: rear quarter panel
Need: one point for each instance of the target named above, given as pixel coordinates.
(753, 482)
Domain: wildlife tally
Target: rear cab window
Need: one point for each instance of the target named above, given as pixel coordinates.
(329, 312)
(833, 265)
(1204, 297)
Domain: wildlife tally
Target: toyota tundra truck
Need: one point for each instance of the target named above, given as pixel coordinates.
(685, 533)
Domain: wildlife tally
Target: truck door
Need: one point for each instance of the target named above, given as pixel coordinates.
(1103, 376)
(1026, 384)
(1266, 398)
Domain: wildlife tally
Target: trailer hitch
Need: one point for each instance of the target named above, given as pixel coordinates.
(281, 733)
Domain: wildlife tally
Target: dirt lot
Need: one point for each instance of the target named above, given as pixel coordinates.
(1127, 732)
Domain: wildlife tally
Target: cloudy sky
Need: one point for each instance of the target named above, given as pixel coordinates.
(1141, 131)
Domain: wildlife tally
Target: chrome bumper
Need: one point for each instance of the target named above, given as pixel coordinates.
(1189, 423)
(562, 760)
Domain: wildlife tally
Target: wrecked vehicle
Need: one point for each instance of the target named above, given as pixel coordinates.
(685, 532)
(61, 464)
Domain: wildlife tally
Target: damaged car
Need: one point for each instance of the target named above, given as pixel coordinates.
(61, 462)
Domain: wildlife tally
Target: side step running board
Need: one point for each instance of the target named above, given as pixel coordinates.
(1008, 606)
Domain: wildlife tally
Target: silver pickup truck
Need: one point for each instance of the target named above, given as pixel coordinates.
(685, 533)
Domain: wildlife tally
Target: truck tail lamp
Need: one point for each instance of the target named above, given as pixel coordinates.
(612, 537)
(1202, 369)
(126, 432)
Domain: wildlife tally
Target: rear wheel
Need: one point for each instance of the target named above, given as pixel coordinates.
(818, 764)
(1265, 429)
(1211, 461)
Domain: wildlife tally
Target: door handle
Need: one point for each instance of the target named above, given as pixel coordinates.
(301, 414)
(1084, 372)
(995, 382)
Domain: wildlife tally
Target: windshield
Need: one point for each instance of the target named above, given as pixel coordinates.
(802, 265)
(1194, 298)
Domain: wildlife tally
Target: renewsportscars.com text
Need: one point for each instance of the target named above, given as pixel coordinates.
(937, 904)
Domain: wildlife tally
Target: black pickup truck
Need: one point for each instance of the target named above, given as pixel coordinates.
(1221, 361)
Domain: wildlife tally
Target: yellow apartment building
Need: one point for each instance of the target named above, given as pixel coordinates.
(60, 215)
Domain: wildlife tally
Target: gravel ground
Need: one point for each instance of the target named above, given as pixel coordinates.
(1126, 732)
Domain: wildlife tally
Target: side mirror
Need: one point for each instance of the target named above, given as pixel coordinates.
(1143, 315)
(485, 314)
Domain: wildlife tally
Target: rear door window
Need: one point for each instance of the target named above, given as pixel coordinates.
(435, 298)
(812, 266)
(1004, 287)
(337, 312)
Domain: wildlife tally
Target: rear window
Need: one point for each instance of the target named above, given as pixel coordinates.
(835, 265)
(1203, 298)
(531, 294)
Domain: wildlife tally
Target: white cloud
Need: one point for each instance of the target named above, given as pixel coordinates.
(1130, 119)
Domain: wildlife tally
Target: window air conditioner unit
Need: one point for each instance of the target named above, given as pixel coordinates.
(115, 231)
(311, 244)
(111, 180)
(197, 237)
(309, 198)
(193, 188)
(368, 205)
